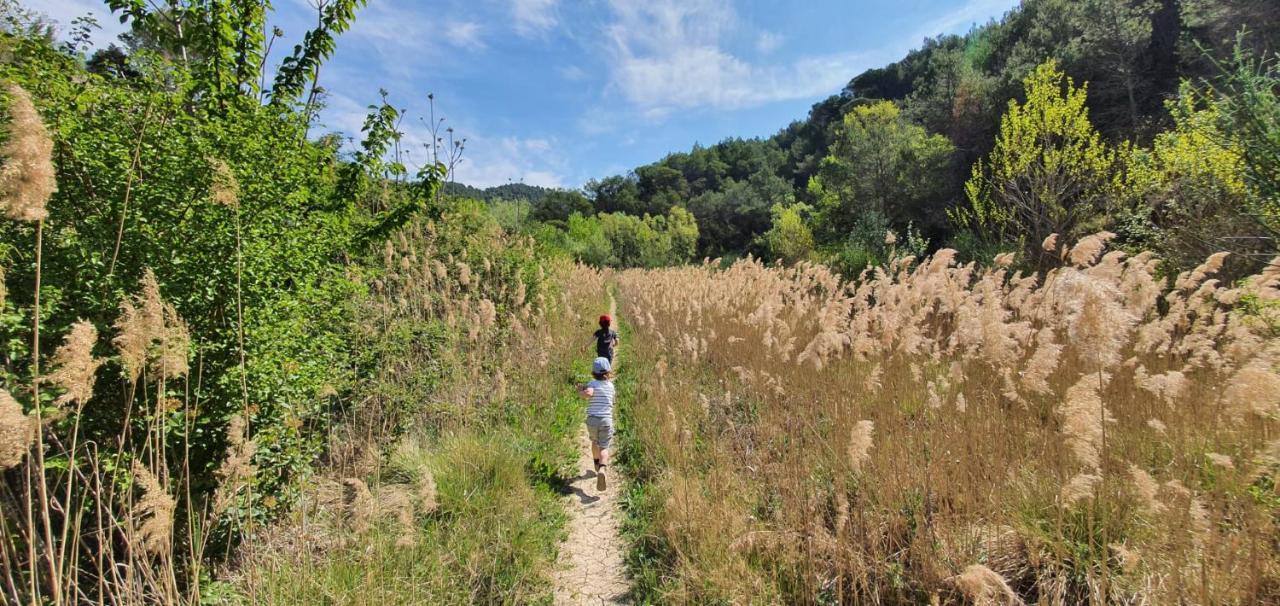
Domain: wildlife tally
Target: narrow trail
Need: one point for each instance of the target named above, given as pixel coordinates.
(590, 569)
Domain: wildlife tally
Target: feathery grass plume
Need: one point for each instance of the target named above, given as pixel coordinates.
(1083, 416)
(890, 238)
(224, 188)
(464, 274)
(237, 467)
(1211, 265)
(985, 587)
(1098, 326)
(1147, 489)
(1079, 488)
(27, 178)
(1254, 389)
(961, 404)
(1128, 558)
(1220, 460)
(1004, 259)
(1158, 426)
(1050, 244)
(140, 323)
(872, 382)
(1043, 363)
(860, 442)
(154, 511)
(74, 365)
(1086, 251)
(174, 346)
(16, 431)
(1168, 386)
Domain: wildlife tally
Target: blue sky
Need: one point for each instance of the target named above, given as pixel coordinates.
(556, 92)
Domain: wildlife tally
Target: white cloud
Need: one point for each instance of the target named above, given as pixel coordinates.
(668, 55)
(465, 35)
(533, 17)
(967, 14)
(488, 162)
(767, 42)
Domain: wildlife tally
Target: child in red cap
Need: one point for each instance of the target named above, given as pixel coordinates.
(606, 339)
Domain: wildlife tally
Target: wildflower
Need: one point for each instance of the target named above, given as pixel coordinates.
(27, 178)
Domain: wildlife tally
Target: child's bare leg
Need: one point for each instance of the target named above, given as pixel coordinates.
(595, 452)
(602, 455)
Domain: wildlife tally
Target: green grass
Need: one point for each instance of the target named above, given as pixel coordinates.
(490, 541)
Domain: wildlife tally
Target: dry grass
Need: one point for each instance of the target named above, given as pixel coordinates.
(927, 430)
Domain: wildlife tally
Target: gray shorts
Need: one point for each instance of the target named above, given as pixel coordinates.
(600, 430)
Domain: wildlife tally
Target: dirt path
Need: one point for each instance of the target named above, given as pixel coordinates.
(590, 569)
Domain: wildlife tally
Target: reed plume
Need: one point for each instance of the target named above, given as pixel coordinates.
(16, 431)
(74, 365)
(860, 442)
(153, 512)
(985, 587)
(27, 178)
(224, 188)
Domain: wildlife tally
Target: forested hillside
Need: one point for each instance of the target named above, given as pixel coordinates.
(1174, 122)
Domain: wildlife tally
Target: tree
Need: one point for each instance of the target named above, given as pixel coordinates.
(559, 205)
(614, 194)
(789, 239)
(875, 165)
(1050, 171)
(1115, 38)
(1189, 192)
(682, 230)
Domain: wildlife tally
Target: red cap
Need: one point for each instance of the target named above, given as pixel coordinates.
(605, 319)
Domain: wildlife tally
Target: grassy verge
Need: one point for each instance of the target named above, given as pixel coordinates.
(462, 508)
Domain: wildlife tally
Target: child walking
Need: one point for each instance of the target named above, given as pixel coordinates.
(600, 397)
(606, 339)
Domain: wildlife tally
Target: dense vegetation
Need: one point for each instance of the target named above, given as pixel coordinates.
(240, 364)
(210, 317)
(1149, 112)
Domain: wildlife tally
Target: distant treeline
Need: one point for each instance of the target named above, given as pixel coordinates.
(896, 150)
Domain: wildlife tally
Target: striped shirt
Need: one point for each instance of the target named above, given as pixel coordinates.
(601, 402)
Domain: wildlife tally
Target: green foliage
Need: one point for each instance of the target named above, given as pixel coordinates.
(789, 239)
(875, 165)
(1050, 171)
(1250, 112)
(1188, 191)
(559, 205)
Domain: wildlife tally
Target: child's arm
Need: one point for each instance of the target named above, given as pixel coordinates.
(585, 391)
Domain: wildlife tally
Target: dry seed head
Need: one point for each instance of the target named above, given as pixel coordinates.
(27, 177)
(1079, 488)
(860, 442)
(16, 431)
(1050, 244)
(1146, 488)
(1157, 425)
(1220, 460)
(985, 587)
(224, 188)
(237, 467)
(74, 365)
(1254, 389)
(890, 238)
(154, 510)
(1083, 416)
(1086, 251)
